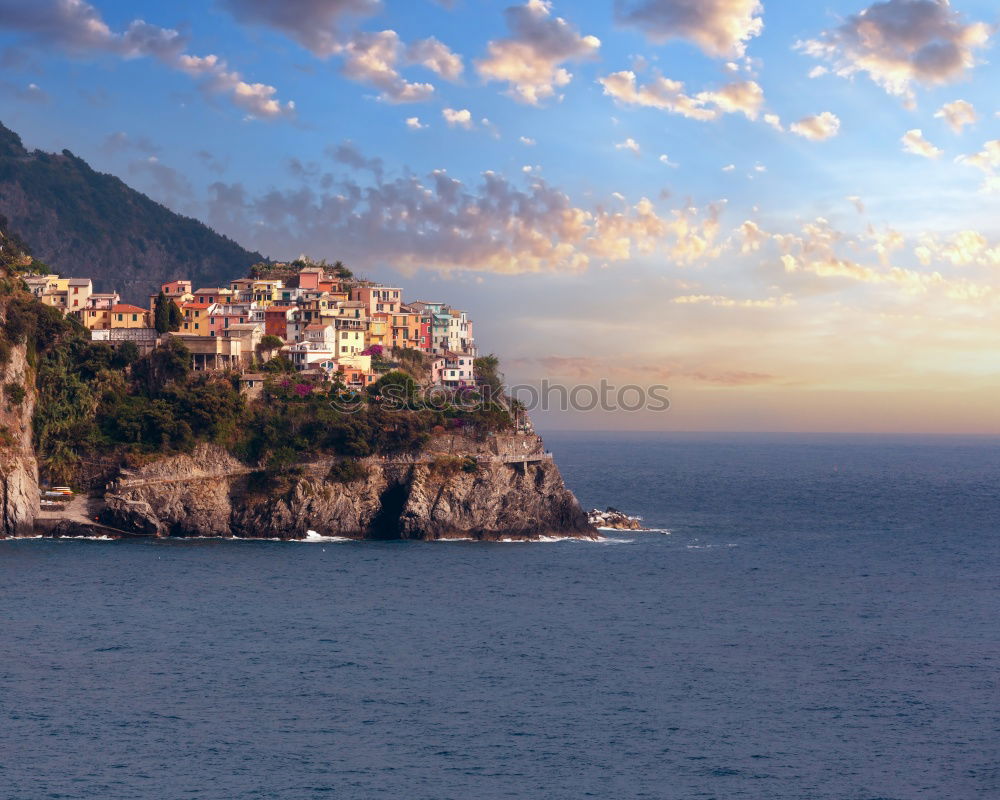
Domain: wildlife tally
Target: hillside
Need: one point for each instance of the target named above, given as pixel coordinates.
(82, 221)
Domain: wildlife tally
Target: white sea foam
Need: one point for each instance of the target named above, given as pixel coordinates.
(313, 537)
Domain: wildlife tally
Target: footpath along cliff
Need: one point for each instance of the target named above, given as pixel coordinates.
(455, 487)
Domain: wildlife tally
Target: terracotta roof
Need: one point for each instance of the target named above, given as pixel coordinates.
(125, 308)
(278, 308)
(198, 306)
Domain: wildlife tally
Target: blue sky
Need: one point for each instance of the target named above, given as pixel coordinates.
(796, 264)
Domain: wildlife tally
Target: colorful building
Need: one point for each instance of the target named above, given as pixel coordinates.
(124, 315)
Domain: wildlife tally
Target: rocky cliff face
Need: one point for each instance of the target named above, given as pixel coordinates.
(19, 503)
(506, 487)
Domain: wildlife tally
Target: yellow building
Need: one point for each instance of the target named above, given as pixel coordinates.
(196, 321)
(125, 316)
(378, 332)
(95, 319)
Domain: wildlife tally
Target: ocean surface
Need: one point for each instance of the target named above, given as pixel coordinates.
(820, 622)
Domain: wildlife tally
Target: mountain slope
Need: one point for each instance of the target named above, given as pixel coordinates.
(91, 224)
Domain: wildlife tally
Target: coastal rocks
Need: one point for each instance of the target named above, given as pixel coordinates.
(613, 519)
(520, 500)
(19, 497)
(506, 487)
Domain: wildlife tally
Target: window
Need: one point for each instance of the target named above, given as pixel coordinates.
(135, 318)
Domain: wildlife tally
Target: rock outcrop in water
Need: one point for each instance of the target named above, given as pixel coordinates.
(456, 487)
(614, 519)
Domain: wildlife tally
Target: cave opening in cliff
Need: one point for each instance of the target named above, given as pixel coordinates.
(386, 524)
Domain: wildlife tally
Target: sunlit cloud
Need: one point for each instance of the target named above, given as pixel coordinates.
(818, 128)
(915, 143)
(78, 28)
(899, 43)
(958, 114)
(721, 28)
(530, 60)
(745, 97)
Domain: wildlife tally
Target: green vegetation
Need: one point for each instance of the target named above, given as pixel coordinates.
(347, 472)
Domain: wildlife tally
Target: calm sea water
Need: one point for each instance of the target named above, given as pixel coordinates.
(821, 622)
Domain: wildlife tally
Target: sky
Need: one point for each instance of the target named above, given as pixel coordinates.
(785, 212)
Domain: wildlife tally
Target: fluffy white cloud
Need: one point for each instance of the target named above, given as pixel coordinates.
(527, 141)
(818, 128)
(315, 24)
(963, 249)
(631, 145)
(458, 118)
(414, 123)
(901, 42)
(915, 143)
(372, 59)
(958, 114)
(437, 57)
(987, 160)
(719, 27)
(257, 99)
(79, 28)
(744, 97)
(530, 59)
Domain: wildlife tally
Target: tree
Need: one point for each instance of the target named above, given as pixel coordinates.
(161, 313)
(487, 373)
(269, 344)
(176, 317)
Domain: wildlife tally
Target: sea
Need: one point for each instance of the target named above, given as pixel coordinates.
(812, 617)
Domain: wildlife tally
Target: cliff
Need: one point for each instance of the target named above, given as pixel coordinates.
(19, 499)
(455, 487)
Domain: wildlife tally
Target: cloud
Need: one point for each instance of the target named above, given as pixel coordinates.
(899, 43)
(963, 249)
(315, 24)
(437, 222)
(530, 60)
(414, 124)
(631, 145)
(987, 160)
(915, 143)
(744, 97)
(957, 114)
(78, 28)
(817, 128)
(257, 99)
(527, 141)
(120, 142)
(347, 153)
(720, 28)
(372, 58)
(30, 93)
(458, 118)
(774, 121)
(665, 160)
(723, 301)
(437, 57)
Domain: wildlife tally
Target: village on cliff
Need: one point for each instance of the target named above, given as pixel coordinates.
(317, 319)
